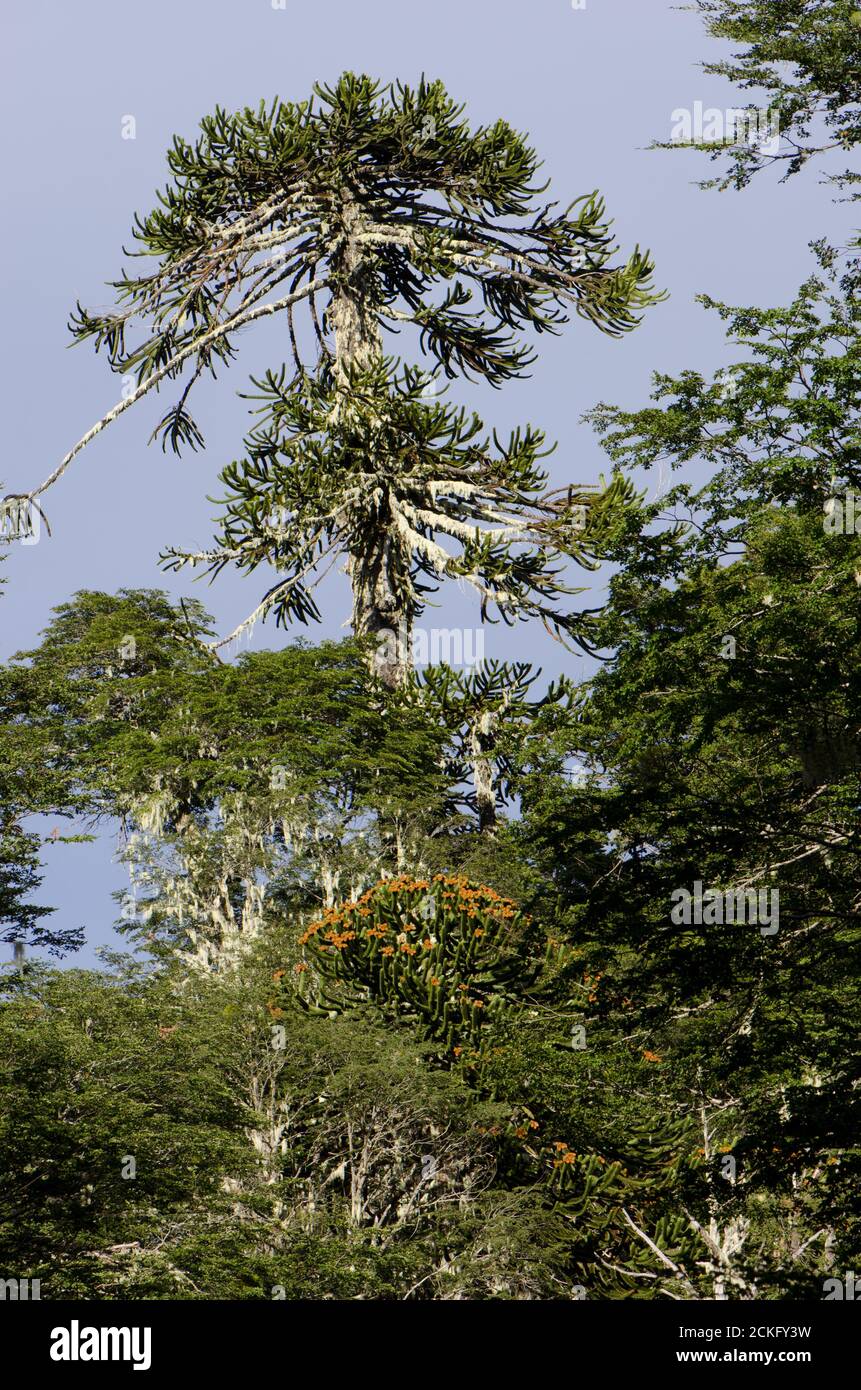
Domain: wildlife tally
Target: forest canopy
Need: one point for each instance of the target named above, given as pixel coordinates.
(448, 982)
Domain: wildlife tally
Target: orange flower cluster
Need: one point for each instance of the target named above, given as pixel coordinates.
(591, 982)
(522, 1129)
(336, 924)
(565, 1156)
(456, 927)
(470, 899)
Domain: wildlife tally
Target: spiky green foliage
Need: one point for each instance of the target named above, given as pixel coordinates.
(644, 1107)
(466, 970)
(404, 487)
(258, 200)
(379, 210)
(444, 953)
(486, 713)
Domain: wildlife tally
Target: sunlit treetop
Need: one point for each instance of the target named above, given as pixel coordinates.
(375, 210)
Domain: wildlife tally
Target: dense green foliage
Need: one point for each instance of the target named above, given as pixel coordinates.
(459, 985)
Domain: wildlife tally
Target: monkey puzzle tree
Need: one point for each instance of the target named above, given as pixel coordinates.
(484, 711)
(388, 483)
(377, 209)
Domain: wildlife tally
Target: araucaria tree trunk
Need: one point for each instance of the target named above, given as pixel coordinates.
(375, 563)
